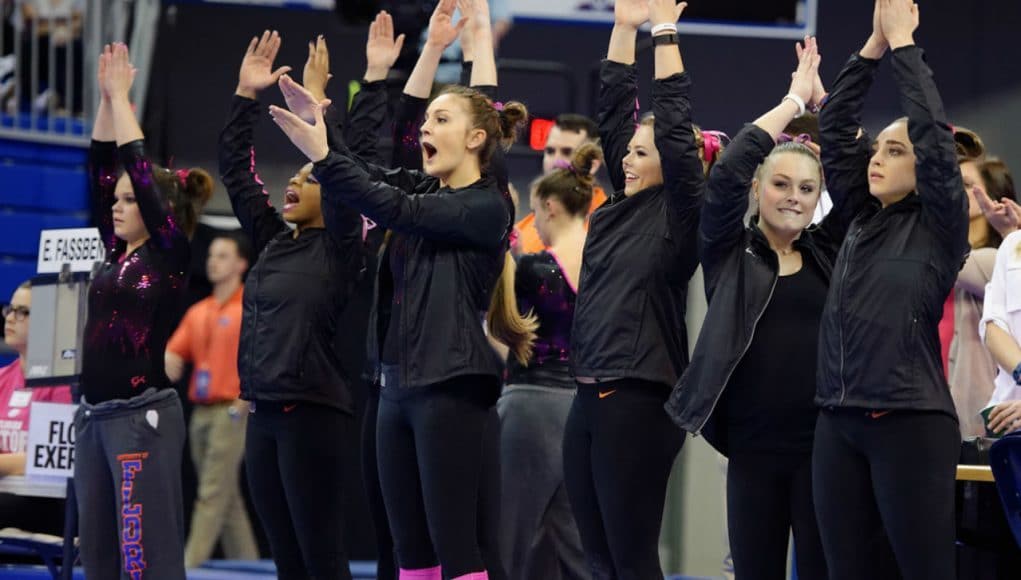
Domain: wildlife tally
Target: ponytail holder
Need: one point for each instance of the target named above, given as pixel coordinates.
(566, 165)
(514, 238)
(803, 138)
(367, 225)
(182, 176)
(498, 105)
(712, 143)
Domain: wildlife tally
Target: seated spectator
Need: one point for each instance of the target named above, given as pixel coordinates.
(29, 513)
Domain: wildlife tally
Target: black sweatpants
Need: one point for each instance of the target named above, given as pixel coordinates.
(430, 448)
(894, 470)
(619, 448)
(768, 495)
(294, 462)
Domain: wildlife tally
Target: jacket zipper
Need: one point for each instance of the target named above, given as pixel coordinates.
(403, 352)
(255, 318)
(744, 351)
(840, 315)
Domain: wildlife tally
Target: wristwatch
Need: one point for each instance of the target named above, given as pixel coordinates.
(661, 39)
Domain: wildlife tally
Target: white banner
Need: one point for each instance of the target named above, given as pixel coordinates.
(51, 440)
(79, 247)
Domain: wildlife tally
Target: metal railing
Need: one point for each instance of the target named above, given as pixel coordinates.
(48, 55)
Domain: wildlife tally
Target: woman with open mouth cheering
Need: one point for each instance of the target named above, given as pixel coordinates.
(450, 225)
(290, 372)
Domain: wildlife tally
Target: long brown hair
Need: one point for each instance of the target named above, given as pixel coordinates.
(506, 323)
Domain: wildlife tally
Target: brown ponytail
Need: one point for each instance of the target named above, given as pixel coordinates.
(188, 191)
(505, 322)
(573, 184)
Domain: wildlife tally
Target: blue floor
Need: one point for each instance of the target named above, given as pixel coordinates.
(222, 570)
(213, 570)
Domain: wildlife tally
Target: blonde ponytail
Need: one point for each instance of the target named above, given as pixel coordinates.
(505, 323)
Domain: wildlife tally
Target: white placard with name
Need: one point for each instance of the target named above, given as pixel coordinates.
(51, 440)
(79, 247)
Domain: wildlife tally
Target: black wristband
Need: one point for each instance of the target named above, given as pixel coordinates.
(1017, 374)
(661, 39)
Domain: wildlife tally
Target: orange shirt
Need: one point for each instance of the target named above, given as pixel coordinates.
(208, 338)
(528, 237)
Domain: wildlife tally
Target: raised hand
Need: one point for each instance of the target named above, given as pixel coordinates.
(381, 49)
(443, 31)
(120, 74)
(665, 11)
(898, 20)
(316, 73)
(630, 13)
(310, 138)
(301, 101)
(1004, 216)
(818, 90)
(257, 66)
(478, 12)
(101, 73)
(804, 77)
(468, 34)
(877, 43)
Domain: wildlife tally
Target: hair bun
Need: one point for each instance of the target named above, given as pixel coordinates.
(198, 186)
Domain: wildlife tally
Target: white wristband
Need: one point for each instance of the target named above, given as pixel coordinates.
(797, 101)
(664, 27)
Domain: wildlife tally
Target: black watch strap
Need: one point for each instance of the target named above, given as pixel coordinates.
(661, 39)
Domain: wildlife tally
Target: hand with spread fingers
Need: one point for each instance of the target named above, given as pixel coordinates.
(443, 31)
(257, 71)
(301, 101)
(630, 13)
(316, 73)
(665, 11)
(310, 138)
(381, 49)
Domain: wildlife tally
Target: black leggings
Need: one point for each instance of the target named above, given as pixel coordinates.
(386, 568)
(430, 451)
(489, 496)
(295, 475)
(768, 495)
(619, 448)
(895, 471)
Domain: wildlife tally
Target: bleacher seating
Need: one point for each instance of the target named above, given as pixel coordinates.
(42, 186)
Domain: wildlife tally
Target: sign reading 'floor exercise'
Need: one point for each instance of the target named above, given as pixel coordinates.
(51, 440)
(79, 247)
